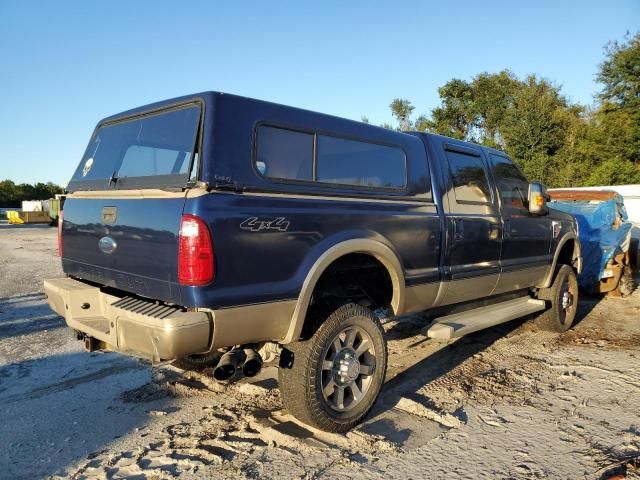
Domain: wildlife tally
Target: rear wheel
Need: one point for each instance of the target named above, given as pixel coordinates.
(332, 380)
(563, 295)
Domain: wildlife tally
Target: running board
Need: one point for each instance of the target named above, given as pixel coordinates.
(460, 324)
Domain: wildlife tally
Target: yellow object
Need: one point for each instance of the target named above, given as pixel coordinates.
(17, 218)
(14, 217)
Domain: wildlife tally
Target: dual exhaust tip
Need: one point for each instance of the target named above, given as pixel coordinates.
(248, 360)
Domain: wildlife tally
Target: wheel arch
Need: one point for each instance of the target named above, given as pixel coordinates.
(381, 252)
(562, 247)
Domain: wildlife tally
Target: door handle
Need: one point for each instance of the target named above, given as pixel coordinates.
(509, 228)
(494, 231)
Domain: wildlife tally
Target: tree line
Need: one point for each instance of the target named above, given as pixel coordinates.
(553, 140)
(12, 194)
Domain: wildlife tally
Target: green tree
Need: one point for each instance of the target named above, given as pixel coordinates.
(12, 195)
(535, 128)
(614, 171)
(401, 110)
(453, 117)
(529, 118)
(475, 110)
(620, 73)
(611, 144)
(8, 193)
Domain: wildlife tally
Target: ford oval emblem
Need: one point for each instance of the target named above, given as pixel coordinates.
(107, 245)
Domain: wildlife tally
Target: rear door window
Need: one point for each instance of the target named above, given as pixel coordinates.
(155, 149)
(470, 184)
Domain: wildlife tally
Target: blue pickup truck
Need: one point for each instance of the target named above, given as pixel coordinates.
(212, 229)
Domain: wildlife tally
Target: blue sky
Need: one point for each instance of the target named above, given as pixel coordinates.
(64, 65)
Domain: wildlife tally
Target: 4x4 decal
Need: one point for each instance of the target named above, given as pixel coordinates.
(255, 224)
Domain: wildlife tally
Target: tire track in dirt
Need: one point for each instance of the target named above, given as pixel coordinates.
(67, 384)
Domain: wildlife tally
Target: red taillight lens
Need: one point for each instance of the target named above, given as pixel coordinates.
(195, 252)
(60, 220)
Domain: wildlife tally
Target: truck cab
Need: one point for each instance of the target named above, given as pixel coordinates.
(213, 228)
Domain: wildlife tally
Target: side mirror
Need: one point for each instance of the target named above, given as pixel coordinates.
(538, 198)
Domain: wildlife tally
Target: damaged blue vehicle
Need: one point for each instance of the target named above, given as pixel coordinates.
(605, 236)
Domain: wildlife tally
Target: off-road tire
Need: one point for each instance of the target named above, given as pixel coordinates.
(559, 317)
(300, 375)
(197, 362)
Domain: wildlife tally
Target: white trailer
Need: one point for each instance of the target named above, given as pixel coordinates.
(32, 206)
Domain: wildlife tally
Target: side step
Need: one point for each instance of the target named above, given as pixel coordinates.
(460, 324)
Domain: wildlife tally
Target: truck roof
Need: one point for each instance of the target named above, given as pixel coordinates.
(230, 119)
(208, 97)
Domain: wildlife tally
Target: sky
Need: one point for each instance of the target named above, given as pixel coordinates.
(64, 65)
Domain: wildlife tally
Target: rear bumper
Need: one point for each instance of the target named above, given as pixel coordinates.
(127, 324)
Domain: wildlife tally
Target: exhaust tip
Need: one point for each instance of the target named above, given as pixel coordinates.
(225, 372)
(228, 364)
(251, 369)
(252, 364)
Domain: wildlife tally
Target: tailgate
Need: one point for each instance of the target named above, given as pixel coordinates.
(126, 243)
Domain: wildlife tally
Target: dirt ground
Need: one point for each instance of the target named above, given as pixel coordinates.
(510, 402)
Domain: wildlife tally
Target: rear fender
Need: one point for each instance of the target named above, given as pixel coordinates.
(377, 249)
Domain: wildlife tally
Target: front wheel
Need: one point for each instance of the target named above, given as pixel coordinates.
(563, 295)
(332, 380)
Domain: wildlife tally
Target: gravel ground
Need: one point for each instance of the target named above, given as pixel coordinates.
(509, 402)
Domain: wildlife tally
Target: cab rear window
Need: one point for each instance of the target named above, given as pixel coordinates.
(151, 150)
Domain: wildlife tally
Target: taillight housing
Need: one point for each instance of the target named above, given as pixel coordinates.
(60, 220)
(195, 252)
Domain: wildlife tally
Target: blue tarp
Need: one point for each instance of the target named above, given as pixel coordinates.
(600, 240)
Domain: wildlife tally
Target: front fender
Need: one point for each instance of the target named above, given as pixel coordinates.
(576, 257)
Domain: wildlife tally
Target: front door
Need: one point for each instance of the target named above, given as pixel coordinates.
(474, 227)
(526, 246)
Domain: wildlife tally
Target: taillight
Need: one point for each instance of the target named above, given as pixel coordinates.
(60, 220)
(195, 252)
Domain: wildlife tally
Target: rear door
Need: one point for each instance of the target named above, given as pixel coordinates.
(526, 246)
(474, 227)
(122, 215)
